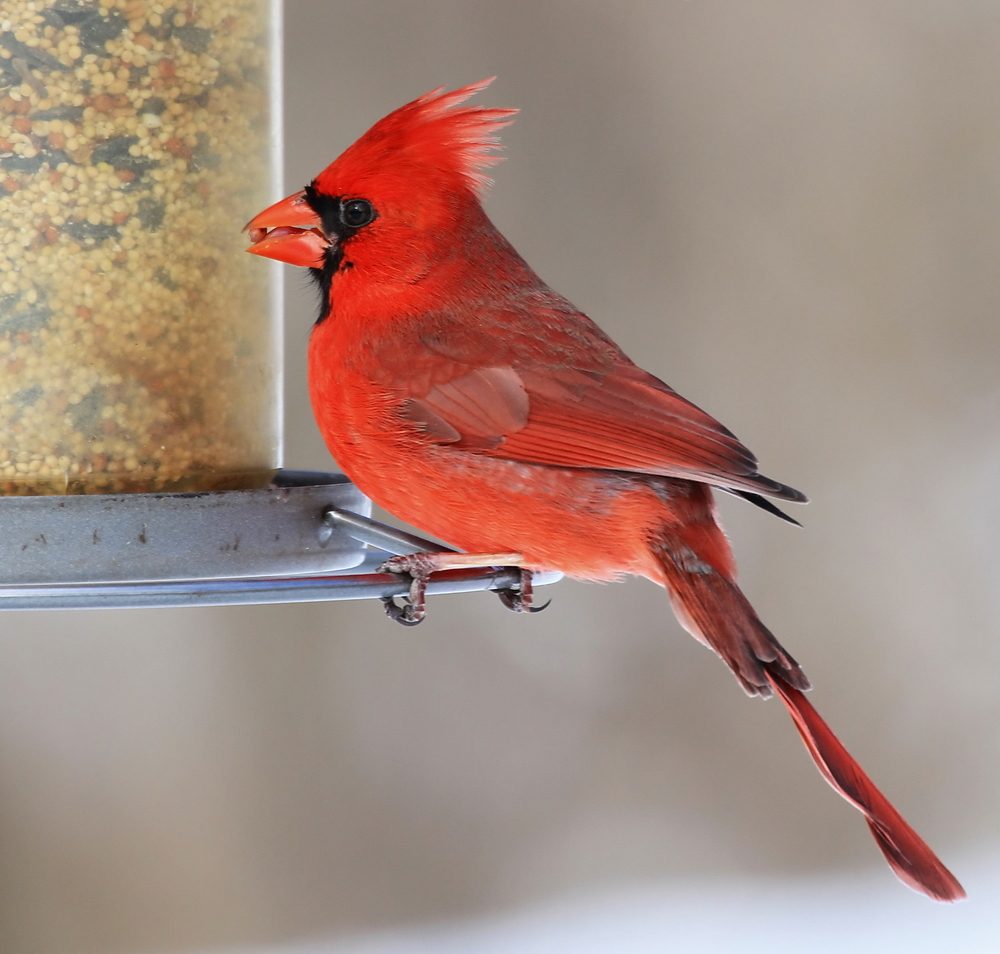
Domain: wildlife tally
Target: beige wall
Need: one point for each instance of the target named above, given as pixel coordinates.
(788, 211)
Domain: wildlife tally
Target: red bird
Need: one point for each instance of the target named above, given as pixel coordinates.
(457, 390)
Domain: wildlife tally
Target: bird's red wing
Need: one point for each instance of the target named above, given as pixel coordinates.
(618, 418)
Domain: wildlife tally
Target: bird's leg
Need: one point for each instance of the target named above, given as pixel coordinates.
(419, 567)
(521, 598)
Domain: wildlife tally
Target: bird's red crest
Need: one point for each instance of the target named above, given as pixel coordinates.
(429, 135)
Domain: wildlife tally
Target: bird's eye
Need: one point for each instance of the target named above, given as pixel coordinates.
(355, 213)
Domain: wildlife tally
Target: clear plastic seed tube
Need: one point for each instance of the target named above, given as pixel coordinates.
(137, 342)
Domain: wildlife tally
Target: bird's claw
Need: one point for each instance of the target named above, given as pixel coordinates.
(405, 614)
(414, 605)
(521, 598)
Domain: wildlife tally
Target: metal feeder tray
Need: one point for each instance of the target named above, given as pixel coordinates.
(307, 537)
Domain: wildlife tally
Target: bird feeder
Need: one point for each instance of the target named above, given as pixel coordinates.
(140, 357)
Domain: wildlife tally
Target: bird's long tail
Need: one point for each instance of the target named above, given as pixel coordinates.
(697, 573)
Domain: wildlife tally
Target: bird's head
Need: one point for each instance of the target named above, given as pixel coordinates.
(388, 203)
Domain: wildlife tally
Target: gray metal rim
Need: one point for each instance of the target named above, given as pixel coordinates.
(306, 538)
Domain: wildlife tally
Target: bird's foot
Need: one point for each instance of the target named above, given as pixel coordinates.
(418, 567)
(521, 598)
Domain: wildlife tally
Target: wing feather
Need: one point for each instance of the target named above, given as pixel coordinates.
(536, 381)
(572, 418)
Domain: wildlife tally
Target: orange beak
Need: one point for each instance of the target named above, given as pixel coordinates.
(289, 231)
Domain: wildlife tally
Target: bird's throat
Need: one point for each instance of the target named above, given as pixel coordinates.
(323, 277)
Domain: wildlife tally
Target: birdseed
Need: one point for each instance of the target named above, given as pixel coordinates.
(136, 343)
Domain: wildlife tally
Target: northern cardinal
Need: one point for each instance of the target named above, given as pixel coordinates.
(457, 390)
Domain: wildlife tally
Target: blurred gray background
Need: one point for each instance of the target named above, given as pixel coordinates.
(787, 210)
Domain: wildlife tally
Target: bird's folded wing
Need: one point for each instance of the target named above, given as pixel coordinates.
(617, 418)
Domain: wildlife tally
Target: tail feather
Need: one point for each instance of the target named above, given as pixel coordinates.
(711, 607)
(696, 571)
(907, 853)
